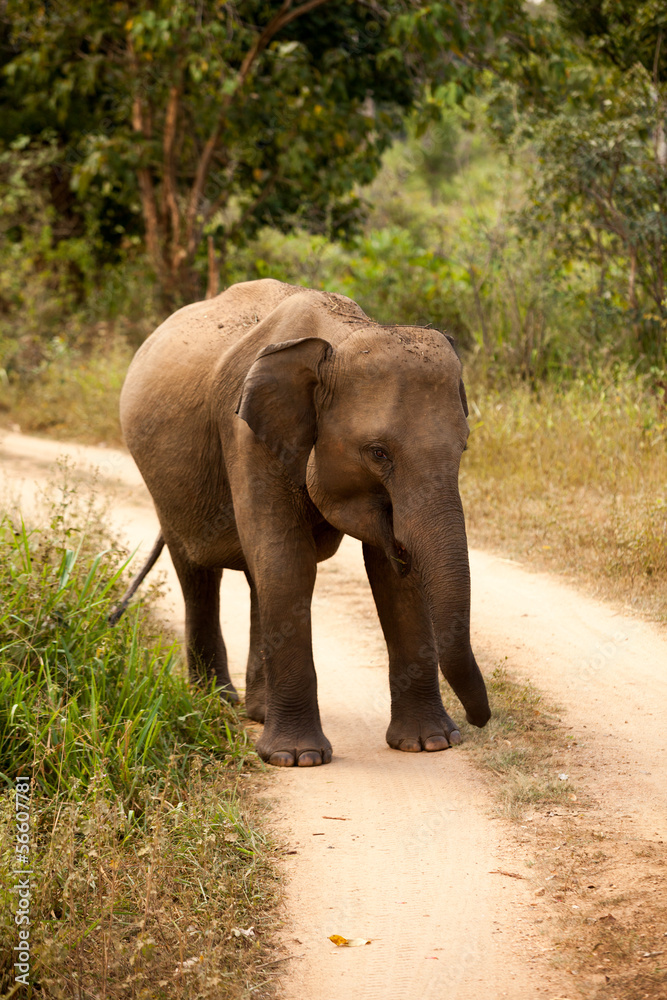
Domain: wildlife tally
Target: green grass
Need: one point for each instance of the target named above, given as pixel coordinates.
(79, 699)
(146, 845)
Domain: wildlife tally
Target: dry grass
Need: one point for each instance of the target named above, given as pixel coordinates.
(574, 479)
(71, 394)
(598, 888)
(179, 906)
(517, 747)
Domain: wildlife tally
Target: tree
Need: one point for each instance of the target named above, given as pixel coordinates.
(196, 124)
(591, 106)
(210, 119)
(603, 157)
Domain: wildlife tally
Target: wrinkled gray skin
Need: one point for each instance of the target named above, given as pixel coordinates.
(267, 423)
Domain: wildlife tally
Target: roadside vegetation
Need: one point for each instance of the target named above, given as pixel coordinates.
(597, 887)
(152, 875)
(517, 747)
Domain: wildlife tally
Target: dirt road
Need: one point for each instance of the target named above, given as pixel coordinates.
(403, 849)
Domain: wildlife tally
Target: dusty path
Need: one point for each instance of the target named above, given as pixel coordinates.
(411, 859)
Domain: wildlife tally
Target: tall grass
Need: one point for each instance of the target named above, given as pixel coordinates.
(68, 390)
(79, 699)
(145, 847)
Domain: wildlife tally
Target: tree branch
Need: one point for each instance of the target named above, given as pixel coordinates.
(282, 18)
(141, 124)
(616, 222)
(171, 209)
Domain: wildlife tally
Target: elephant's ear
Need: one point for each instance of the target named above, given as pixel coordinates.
(462, 388)
(277, 401)
(464, 398)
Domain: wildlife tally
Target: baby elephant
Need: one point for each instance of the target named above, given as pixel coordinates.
(269, 422)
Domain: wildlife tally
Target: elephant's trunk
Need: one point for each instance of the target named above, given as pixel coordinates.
(434, 534)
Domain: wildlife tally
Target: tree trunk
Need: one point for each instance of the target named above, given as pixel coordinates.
(213, 270)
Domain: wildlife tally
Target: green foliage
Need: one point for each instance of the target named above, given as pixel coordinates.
(602, 178)
(599, 181)
(81, 701)
(181, 121)
(458, 254)
(193, 126)
(625, 33)
(136, 801)
(524, 207)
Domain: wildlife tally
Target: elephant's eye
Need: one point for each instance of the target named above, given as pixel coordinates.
(380, 454)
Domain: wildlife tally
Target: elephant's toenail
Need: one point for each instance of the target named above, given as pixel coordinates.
(436, 743)
(455, 737)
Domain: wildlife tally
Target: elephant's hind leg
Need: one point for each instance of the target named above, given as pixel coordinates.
(418, 718)
(255, 678)
(206, 653)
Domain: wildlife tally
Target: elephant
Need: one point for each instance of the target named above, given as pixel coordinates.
(268, 422)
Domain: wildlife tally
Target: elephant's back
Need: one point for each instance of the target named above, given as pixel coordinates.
(165, 405)
(182, 391)
(170, 372)
(215, 324)
(198, 333)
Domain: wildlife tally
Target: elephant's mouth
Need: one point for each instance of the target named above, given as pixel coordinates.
(400, 558)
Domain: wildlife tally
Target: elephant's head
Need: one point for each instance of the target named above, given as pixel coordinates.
(375, 428)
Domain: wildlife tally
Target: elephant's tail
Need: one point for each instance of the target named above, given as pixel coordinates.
(117, 613)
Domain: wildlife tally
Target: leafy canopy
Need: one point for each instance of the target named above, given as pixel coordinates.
(186, 125)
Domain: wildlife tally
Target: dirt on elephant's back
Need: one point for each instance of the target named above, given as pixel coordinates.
(406, 850)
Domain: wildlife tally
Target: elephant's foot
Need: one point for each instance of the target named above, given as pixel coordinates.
(429, 731)
(255, 693)
(255, 706)
(285, 747)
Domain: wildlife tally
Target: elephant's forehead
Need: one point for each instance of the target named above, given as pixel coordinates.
(399, 361)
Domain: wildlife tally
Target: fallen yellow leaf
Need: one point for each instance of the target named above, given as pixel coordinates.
(342, 942)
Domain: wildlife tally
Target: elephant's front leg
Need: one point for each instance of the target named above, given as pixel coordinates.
(284, 576)
(255, 676)
(418, 718)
